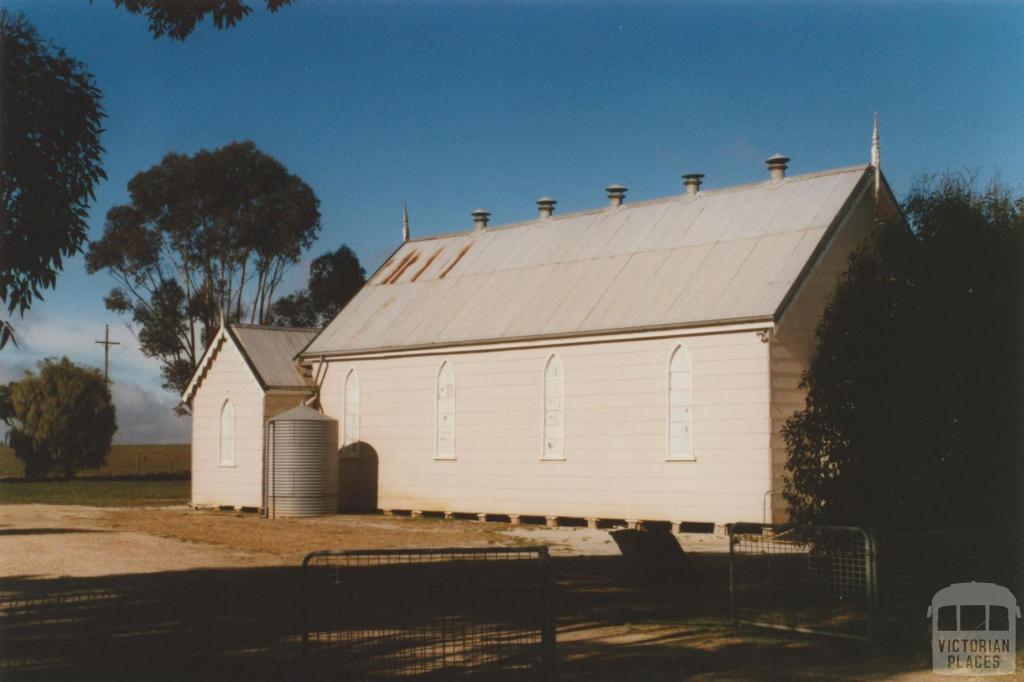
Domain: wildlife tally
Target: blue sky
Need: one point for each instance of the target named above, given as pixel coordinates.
(457, 105)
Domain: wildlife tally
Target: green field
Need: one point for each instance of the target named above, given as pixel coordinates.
(123, 460)
(96, 493)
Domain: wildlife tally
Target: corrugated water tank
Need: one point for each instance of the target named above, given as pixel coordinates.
(302, 464)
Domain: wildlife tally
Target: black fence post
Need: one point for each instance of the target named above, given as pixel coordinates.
(303, 609)
(732, 577)
(871, 559)
(548, 616)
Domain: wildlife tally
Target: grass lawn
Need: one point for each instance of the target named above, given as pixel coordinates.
(124, 460)
(96, 493)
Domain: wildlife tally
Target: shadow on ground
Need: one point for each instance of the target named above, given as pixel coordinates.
(616, 619)
(9, 532)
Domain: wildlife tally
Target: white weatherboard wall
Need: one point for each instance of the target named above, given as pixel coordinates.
(213, 484)
(616, 430)
(793, 345)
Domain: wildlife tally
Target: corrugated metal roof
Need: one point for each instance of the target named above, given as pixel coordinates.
(719, 255)
(270, 352)
(302, 413)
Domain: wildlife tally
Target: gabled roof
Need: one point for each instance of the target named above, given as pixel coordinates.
(267, 351)
(733, 254)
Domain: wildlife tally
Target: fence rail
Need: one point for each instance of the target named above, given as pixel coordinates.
(819, 580)
(385, 614)
(364, 615)
(848, 582)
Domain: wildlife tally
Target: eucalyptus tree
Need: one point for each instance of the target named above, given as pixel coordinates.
(178, 18)
(334, 278)
(203, 236)
(50, 125)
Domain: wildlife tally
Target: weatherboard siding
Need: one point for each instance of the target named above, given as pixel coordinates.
(616, 430)
(228, 377)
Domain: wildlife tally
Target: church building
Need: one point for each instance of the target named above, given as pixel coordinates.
(634, 362)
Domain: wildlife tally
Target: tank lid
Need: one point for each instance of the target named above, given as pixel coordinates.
(302, 413)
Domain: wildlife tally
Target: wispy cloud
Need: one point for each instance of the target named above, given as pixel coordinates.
(45, 335)
(142, 417)
(145, 418)
(145, 411)
(741, 149)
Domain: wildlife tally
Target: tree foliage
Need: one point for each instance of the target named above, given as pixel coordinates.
(50, 154)
(203, 234)
(334, 278)
(63, 418)
(912, 405)
(178, 18)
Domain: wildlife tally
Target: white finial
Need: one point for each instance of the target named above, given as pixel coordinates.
(876, 152)
(405, 223)
(876, 158)
(222, 317)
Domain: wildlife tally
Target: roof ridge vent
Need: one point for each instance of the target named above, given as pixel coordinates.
(692, 182)
(616, 194)
(546, 206)
(480, 218)
(777, 165)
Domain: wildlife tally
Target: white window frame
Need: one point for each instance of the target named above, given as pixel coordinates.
(351, 436)
(681, 455)
(223, 459)
(438, 454)
(548, 412)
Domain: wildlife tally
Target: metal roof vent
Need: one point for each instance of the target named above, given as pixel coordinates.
(777, 165)
(692, 182)
(546, 206)
(480, 218)
(616, 194)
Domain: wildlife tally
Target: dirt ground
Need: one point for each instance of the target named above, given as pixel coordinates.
(50, 541)
(612, 625)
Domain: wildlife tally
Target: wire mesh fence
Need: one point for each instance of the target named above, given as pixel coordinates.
(849, 582)
(433, 613)
(818, 580)
(378, 614)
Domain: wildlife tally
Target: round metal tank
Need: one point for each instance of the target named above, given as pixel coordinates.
(302, 464)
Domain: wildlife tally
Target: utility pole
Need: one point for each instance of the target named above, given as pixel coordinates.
(107, 343)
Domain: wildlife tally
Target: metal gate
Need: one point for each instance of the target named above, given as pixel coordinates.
(385, 614)
(808, 579)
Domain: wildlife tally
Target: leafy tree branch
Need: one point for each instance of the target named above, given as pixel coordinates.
(203, 235)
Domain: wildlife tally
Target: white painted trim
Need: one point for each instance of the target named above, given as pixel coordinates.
(204, 364)
(437, 411)
(544, 410)
(552, 342)
(221, 461)
(344, 416)
(187, 394)
(693, 407)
